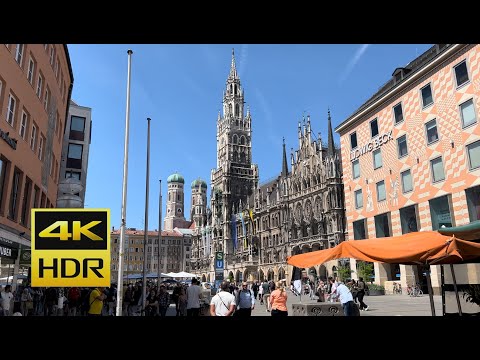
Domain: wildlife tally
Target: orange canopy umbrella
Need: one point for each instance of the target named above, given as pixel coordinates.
(425, 247)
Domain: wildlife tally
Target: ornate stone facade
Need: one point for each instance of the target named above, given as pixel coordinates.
(300, 210)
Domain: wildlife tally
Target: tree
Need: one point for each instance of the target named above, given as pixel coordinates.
(365, 270)
(344, 272)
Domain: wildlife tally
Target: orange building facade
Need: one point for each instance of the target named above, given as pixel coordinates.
(411, 154)
(35, 87)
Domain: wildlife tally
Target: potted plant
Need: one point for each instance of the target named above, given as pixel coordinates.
(375, 289)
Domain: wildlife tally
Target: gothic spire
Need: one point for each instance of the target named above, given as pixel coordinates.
(233, 69)
(331, 145)
(284, 163)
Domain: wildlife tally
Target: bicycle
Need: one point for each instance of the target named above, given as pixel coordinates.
(397, 288)
(415, 291)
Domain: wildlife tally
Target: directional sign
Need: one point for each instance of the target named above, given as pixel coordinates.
(219, 265)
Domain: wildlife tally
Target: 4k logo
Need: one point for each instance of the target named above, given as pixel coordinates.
(70, 247)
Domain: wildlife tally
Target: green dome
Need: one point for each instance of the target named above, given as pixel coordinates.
(176, 178)
(199, 182)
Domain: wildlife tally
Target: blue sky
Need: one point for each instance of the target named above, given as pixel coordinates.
(180, 88)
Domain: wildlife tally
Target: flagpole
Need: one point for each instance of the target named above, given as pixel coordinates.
(124, 193)
(145, 232)
(159, 234)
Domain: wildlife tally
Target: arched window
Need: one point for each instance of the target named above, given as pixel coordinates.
(237, 107)
(169, 197)
(235, 89)
(229, 108)
(235, 155)
(231, 88)
(242, 140)
(235, 139)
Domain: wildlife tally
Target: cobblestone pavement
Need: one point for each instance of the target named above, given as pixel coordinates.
(384, 305)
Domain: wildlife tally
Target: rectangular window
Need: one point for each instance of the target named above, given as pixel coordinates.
(374, 127)
(26, 202)
(14, 195)
(407, 184)
(402, 146)
(39, 86)
(377, 159)
(72, 174)
(473, 202)
(4, 163)
(440, 212)
(437, 169)
(31, 70)
(356, 169)
(56, 68)
(381, 194)
(467, 111)
(19, 54)
(427, 97)
(52, 54)
(382, 225)
(77, 128)
(47, 97)
(473, 150)
(398, 113)
(408, 219)
(432, 132)
(461, 73)
(12, 102)
(33, 137)
(358, 199)
(74, 157)
(353, 140)
(40, 147)
(23, 125)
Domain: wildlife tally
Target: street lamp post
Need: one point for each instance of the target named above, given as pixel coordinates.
(145, 237)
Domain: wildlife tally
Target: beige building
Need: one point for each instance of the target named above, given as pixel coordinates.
(411, 156)
(35, 87)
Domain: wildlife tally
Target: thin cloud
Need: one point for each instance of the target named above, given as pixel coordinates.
(356, 58)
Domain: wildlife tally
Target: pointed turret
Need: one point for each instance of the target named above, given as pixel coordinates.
(331, 144)
(284, 162)
(233, 69)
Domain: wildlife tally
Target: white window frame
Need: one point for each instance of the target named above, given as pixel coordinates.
(22, 131)
(40, 148)
(378, 151)
(33, 137)
(398, 146)
(11, 112)
(353, 167)
(431, 170)
(393, 113)
(46, 98)
(468, 155)
(19, 54)
(455, 74)
(378, 128)
(52, 54)
(426, 132)
(421, 95)
(31, 70)
(385, 191)
(461, 113)
(355, 198)
(411, 180)
(39, 86)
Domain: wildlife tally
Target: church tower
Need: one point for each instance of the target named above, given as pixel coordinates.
(198, 210)
(175, 201)
(235, 177)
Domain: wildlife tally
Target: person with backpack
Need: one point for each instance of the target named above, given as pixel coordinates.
(245, 300)
(362, 287)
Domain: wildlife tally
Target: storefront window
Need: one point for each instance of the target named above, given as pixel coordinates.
(382, 225)
(440, 212)
(473, 202)
(408, 219)
(359, 229)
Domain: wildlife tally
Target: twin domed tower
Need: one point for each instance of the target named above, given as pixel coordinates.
(175, 216)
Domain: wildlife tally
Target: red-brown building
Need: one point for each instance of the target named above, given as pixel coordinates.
(35, 87)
